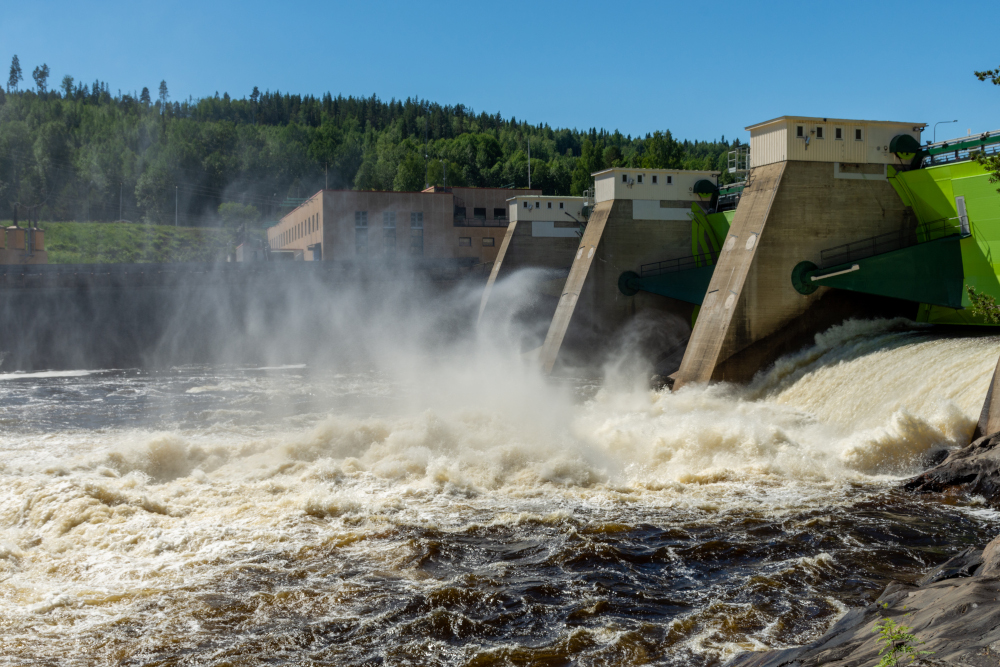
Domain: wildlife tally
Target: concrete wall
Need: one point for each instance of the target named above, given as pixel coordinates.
(790, 212)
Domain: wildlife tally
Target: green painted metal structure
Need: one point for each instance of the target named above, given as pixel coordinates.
(684, 278)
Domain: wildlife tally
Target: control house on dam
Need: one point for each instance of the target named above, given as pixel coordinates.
(464, 226)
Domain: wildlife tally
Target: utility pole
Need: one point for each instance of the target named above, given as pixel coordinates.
(529, 164)
(175, 206)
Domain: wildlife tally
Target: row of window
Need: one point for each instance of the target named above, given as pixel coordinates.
(297, 231)
(389, 240)
(838, 132)
(538, 204)
(656, 181)
(498, 213)
(466, 241)
(389, 220)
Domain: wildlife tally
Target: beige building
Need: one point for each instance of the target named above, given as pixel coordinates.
(24, 246)
(437, 223)
(826, 140)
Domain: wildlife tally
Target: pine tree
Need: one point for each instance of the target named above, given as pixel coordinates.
(164, 95)
(144, 96)
(15, 74)
(41, 77)
(67, 86)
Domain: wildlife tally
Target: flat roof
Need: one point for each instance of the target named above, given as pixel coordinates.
(658, 171)
(845, 121)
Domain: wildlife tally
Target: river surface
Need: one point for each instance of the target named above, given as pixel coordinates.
(464, 511)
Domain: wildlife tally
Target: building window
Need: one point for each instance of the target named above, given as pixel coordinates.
(417, 234)
(488, 242)
(857, 134)
(549, 204)
(819, 131)
(525, 204)
(639, 178)
(389, 232)
(670, 179)
(624, 178)
(654, 179)
(499, 213)
(465, 241)
(800, 131)
(838, 133)
(479, 213)
(361, 232)
(560, 205)
(538, 204)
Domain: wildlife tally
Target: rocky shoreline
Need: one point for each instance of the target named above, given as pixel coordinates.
(953, 609)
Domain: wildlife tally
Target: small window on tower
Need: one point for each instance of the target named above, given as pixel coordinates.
(819, 131)
(525, 204)
(670, 179)
(838, 133)
(799, 131)
(639, 178)
(624, 178)
(488, 242)
(465, 241)
(560, 205)
(654, 179)
(857, 134)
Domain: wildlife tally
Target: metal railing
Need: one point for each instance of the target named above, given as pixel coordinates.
(739, 160)
(482, 222)
(876, 245)
(678, 264)
(961, 149)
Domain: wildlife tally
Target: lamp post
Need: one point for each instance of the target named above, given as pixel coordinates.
(938, 123)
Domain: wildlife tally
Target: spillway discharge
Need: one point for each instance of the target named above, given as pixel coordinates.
(460, 507)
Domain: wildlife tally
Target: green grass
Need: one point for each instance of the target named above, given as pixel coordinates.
(121, 242)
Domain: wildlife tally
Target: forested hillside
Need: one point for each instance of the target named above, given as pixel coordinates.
(82, 152)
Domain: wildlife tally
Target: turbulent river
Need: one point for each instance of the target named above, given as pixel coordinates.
(465, 511)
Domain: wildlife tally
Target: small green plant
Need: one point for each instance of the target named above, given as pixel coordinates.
(984, 304)
(897, 641)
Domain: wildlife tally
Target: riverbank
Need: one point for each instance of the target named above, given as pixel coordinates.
(117, 242)
(952, 610)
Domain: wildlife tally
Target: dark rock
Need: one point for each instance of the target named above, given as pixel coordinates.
(991, 559)
(972, 470)
(963, 564)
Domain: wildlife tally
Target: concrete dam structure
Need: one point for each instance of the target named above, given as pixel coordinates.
(834, 219)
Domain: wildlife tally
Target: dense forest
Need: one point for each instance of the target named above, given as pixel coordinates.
(82, 152)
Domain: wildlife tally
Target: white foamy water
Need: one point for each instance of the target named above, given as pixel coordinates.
(293, 514)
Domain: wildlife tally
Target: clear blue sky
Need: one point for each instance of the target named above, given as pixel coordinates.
(699, 69)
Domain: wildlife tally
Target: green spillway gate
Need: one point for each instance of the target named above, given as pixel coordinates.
(688, 285)
(929, 272)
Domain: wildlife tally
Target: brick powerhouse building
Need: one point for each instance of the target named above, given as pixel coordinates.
(437, 223)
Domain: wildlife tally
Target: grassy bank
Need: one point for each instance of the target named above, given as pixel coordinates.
(118, 242)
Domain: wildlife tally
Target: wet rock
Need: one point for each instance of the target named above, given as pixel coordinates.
(973, 470)
(954, 612)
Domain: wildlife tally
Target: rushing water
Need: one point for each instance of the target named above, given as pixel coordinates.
(469, 512)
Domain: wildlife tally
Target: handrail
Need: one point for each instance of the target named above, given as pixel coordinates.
(882, 243)
(678, 264)
(482, 222)
(963, 148)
